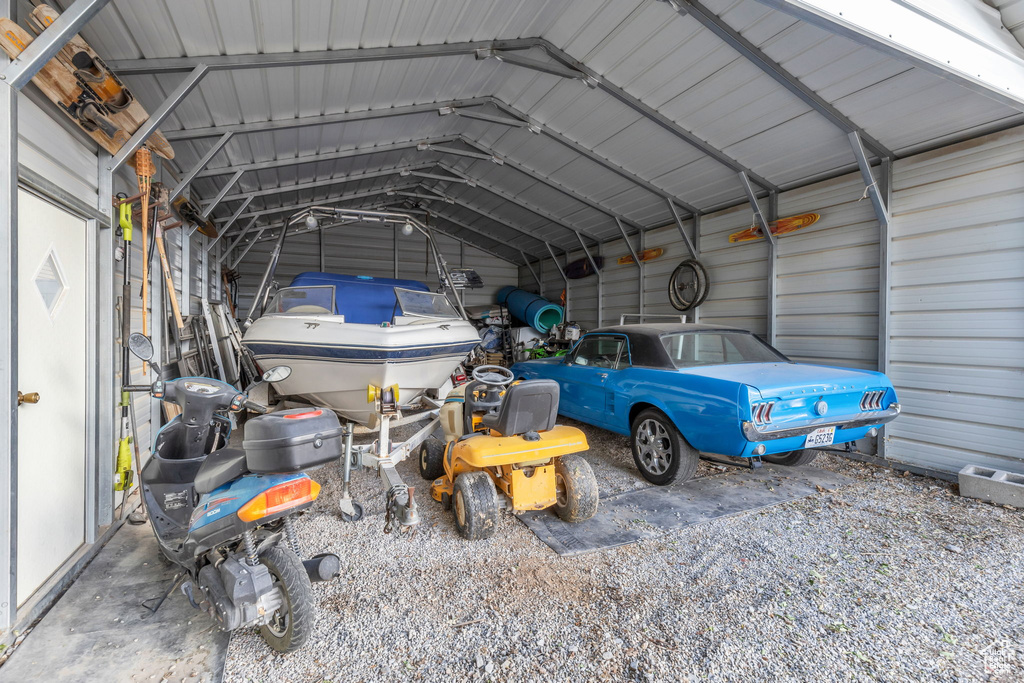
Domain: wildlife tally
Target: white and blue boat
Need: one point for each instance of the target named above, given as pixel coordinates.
(342, 333)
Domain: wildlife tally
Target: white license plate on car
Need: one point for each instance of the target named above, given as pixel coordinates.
(823, 436)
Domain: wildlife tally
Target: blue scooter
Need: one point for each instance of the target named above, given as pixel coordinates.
(225, 516)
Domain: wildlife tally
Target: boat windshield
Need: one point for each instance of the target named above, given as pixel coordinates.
(689, 349)
(302, 300)
(418, 304)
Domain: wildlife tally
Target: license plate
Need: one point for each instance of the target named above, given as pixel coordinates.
(820, 437)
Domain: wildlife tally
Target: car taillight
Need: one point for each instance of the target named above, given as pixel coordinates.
(762, 412)
(281, 497)
(872, 400)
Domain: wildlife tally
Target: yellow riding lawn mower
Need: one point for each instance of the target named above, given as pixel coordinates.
(501, 438)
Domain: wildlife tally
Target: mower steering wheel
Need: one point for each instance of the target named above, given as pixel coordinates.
(493, 375)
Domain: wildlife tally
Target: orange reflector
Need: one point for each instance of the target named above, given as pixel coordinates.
(281, 497)
(304, 416)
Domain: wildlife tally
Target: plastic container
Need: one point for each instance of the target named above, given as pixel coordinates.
(292, 440)
(535, 311)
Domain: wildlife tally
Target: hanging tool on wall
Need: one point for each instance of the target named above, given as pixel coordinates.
(145, 171)
(158, 237)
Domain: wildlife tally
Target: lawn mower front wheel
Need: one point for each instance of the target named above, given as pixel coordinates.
(576, 495)
(475, 503)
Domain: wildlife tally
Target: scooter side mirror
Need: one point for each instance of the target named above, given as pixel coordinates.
(277, 374)
(141, 346)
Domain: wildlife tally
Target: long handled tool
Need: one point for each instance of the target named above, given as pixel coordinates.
(158, 236)
(145, 171)
(123, 465)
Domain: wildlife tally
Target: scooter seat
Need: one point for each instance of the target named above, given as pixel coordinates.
(219, 468)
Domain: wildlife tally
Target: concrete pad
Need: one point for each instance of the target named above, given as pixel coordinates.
(631, 516)
(99, 630)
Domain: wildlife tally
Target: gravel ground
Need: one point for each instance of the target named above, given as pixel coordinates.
(892, 578)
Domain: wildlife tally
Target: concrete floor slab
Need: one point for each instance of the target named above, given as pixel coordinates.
(99, 630)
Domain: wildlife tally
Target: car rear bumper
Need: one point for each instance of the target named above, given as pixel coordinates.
(754, 432)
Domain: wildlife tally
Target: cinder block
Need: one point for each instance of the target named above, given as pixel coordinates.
(996, 486)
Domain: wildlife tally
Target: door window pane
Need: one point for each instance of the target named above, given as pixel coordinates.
(50, 282)
(600, 352)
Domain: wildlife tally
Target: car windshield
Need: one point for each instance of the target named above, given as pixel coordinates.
(419, 304)
(689, 349)
(299, 300)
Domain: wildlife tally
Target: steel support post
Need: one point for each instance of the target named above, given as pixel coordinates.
(106, 349)
(884, 284)
(696, 255)
(187, 179)
(600, 280)
(186, 273)
(636, 261)
(48, 43)
(159, 115)
(8, 345)
(773, 276)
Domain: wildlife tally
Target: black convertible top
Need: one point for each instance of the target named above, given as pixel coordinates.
(645, 340)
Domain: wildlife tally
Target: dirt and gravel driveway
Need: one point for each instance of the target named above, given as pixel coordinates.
(891, 578)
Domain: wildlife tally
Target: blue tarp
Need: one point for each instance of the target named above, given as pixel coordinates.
(360, 298)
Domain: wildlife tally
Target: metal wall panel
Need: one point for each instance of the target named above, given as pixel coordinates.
(827, 292)
(957, 322)
(54, 153)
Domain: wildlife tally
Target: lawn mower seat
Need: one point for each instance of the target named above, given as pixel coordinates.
(529, 406)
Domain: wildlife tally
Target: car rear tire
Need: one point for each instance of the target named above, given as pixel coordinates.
(792, 458)
(660, 452)
(475, 503)
(576, 495)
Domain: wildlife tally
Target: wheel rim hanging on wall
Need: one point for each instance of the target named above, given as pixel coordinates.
(688, 287)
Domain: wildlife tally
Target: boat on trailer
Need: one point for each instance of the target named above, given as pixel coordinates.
(341, 334)
(367, 348)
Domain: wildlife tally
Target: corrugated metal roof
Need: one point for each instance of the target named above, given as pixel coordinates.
(662, 59)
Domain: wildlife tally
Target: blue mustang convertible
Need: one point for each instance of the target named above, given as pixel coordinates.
(681, 389)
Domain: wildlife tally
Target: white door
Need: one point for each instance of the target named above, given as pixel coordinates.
(52, 348)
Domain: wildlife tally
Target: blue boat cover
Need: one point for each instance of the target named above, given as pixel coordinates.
(360, 298)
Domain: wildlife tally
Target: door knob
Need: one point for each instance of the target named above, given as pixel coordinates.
(28, 398)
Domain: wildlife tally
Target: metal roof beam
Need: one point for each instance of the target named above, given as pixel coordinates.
(243, 128)
(199, 166)
(320, 158)
(475, 245)
(129, 67)
(220, 195)
(870, 184)
(541, 178)
(438, 176)
(468, 228)
(423, 147)
(323, 120)
(536, 210)
(281, 189)
(492, 217)
(231, 221)
(47, 44)
(158, 116)
(538, 65)
(752, 53)
(320, 202)
(752, 198)
(490, 118)
(655, 116)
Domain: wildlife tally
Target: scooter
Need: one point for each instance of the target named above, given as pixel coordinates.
(225, 516)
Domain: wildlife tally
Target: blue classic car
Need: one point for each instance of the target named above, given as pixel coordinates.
(681, 389)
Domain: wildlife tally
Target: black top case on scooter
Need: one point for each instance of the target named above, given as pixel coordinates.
(292, 440)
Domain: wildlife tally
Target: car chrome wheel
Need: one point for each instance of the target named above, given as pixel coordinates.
(654, 446)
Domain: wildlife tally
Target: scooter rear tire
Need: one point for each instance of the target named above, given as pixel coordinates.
(292, 624)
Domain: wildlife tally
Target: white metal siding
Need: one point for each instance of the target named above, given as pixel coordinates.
(957, 323)
(51, 151)
(827, 288)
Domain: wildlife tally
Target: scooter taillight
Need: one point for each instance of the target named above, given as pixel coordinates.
(281, 497)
